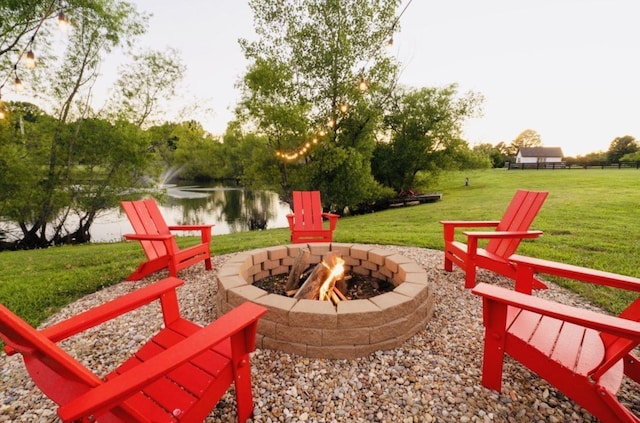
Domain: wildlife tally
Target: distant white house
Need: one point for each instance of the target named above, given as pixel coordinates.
(547, 155)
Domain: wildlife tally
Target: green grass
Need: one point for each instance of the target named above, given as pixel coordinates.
(589, 219)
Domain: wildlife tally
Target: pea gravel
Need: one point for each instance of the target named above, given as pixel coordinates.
(433, 377)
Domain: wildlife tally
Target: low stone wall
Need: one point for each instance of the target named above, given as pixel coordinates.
(319, 329)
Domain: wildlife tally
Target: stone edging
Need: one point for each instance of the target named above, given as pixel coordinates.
(313, 328)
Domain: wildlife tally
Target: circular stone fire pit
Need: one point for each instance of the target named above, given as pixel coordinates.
(319, 329)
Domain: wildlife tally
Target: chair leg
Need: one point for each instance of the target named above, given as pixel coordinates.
(448, 264)
(495, 316)
(470, 276)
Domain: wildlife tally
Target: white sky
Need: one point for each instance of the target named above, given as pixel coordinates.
(567, 69)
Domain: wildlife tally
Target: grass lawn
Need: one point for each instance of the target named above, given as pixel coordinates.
(590, 219)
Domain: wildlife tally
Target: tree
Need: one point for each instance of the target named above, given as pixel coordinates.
(144, 85)
(494, 153)
(425, 126)
(72, 171)
(302, 95)
(197, 154)
(621, 146)
(527, 138)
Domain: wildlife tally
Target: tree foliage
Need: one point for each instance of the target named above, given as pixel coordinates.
(72, 164)
(620, 147)
(527, 138)
(305, 65)
(496, 153)
(143, 86)
(425, 126)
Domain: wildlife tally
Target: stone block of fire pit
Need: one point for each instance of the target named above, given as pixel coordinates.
(323, 329)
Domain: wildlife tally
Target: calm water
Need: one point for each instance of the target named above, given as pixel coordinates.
(231, 209)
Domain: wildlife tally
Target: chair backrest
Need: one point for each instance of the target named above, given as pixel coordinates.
(50, 366)
(145, 218)
(307, 210)
(522, 209)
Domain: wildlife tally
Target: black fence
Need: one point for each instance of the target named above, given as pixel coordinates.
(574, 165)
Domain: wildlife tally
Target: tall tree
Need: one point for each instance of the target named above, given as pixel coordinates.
(302, 91)
(494, 153)
(527, 138)
(98, 27)
(425, 126)
(144, 85)
(620, 147)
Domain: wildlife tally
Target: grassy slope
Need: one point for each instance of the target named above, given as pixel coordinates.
(589, 219)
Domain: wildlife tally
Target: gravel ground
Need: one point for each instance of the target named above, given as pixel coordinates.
(433, 377)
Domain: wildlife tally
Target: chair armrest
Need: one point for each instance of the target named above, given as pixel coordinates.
(147, 237)
(190, 227)
(471, 223)
(473, 237)
(333, 219)
(205, 230)
(290, 220)
(240, 321)
(110, 310)
(451, 225)
(601, 322)
(503, 234)
(530, 265)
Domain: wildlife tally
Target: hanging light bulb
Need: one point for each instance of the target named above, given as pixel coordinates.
(17, 83)
(363, 85)
(3, 115)
(30, 59)
(331, 123)
(63, 22)
(322, 133)
(344, 107)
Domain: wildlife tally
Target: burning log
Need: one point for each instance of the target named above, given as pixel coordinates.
(299, 266)
(321, 283)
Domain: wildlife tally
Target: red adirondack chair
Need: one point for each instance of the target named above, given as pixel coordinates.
(306, 221)
(178, 375)
(503, 241)
(159, 243)
(584, 354)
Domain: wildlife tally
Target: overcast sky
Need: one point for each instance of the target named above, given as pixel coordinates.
(568, 69)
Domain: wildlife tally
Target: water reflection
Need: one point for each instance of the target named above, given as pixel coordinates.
(231, 209)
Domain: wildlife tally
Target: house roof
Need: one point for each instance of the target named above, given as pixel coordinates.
(540, 152)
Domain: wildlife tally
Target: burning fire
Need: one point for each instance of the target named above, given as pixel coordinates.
(336, 272)
(321, 283)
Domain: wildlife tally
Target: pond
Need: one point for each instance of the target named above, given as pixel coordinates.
(231, 209)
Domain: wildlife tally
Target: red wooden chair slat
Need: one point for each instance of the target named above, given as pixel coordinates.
(178, 375)
(306, 221)
(518, 218)
(502, 242)
(158, 242)
(569, 341)
(584, 354)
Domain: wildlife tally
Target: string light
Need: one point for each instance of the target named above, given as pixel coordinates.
(26, 55)
(63, 22)
(30, 60)
(343, 108)
(363, 85)
(17, 83)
